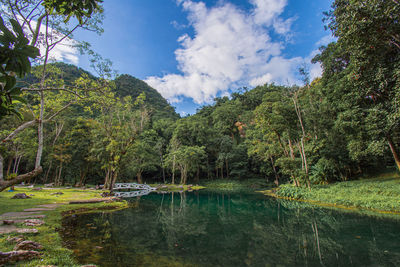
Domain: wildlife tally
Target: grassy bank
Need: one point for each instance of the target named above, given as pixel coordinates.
(48, 237)
(379, 193)
(237, 185)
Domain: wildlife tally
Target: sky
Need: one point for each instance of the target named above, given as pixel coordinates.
(192, 51)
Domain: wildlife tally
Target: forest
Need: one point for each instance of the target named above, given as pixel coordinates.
(60, 124)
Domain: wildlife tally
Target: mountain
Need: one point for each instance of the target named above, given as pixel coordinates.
(127, 85)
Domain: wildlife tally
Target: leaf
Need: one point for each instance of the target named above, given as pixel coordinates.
(17, 28)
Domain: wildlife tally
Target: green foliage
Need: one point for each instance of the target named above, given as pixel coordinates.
(15, 53)
(73, 8)
(127, 85)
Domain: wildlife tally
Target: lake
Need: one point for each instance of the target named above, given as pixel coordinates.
(209, 228)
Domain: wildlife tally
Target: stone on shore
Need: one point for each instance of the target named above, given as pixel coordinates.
(20, 196)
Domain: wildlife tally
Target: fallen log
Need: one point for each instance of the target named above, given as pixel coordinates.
(94, 200)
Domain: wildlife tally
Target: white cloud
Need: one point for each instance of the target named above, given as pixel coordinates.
(230, 48)
(64, 51)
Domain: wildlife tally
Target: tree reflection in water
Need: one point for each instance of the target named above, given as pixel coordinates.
(238, 229)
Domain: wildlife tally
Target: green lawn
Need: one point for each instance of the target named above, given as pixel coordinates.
(48, 236)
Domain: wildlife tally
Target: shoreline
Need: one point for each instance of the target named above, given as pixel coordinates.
(270, 193)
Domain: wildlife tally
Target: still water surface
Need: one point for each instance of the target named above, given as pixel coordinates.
(231, 229)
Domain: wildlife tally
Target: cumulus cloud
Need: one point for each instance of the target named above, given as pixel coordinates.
(230, 48)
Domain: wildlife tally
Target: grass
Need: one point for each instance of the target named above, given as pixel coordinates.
(380, 193)
(237, 185)
(176, 187)
(53, 253)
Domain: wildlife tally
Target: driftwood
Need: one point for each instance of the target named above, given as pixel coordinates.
(14, 256)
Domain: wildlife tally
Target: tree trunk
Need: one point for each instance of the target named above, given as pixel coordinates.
(227, 169)
(182, 175)
(107, 179)
(114, 175)
(48, 171)
(9, 166)
(291, 149)
(394, 152)
(82, 177)
(173, 171)
(1, 169)
(198, 175)
(275, 172)
(281, 144)
(139, 177)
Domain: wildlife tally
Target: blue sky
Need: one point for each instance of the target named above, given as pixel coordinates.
(192, 50)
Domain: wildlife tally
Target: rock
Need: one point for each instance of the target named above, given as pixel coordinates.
(26, 231)
(33, 222)
(107, 194)
(21, 215)
(49, 185)
(15, 239)
(14, 256)
(6, 229)
(36, 209)
(37, 189)
(57, 193)
(50, 206)
(98, 247)
(28, 245)
(8, 222)
(20, 196)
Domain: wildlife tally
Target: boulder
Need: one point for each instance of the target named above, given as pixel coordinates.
(28, 245)
(20, 196)
(57, 193)
(37, 189)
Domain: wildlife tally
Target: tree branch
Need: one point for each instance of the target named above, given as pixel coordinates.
(18, 130)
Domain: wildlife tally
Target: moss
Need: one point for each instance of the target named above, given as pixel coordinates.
(48, 236)
(380, 193)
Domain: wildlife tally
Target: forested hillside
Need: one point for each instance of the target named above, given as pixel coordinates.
(331, 129)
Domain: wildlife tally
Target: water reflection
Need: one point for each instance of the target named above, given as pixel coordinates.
(212, 229)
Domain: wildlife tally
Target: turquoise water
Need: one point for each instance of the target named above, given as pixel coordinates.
(231, 229)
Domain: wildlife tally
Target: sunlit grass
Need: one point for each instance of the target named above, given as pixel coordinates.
(380, 193)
